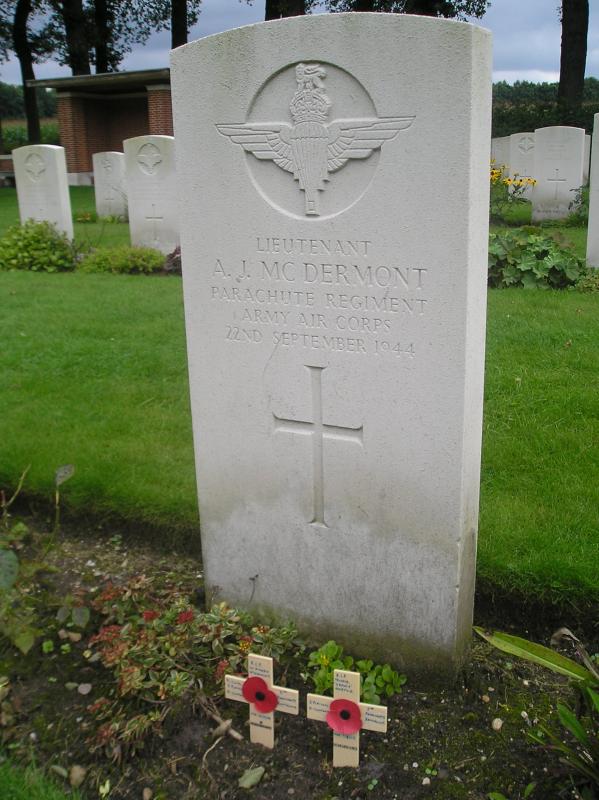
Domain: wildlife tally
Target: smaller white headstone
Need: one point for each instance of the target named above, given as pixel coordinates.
(586, 166)
(151, 189)
(109, 184)
(593, 226)
(500, 150)
(521, 158)
(42, 186)
(559, 152)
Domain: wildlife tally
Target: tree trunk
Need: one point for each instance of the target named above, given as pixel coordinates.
(103, 19)
(23, 51)
(575, 26)
(73, 18)
(178, 22)
(275, 9)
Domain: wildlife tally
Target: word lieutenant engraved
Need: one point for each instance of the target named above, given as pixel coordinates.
(310, 148)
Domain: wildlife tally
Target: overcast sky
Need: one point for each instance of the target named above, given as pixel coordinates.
(526, 35)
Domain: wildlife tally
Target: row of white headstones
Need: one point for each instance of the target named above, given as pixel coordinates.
(140, 183)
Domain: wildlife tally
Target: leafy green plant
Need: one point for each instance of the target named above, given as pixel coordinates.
(528, 790)
(527, 257)
(37, 246)
(581, 752)
(505, 191)
(123, 259)
(376, 680)
(588, 281)
(163, 654)
(16, 135)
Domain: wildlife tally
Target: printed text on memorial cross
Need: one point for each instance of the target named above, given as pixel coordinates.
(320, 294)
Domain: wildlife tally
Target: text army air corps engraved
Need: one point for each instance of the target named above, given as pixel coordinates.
(310, 148)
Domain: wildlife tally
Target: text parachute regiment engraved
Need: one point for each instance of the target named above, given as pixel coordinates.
(311, 149)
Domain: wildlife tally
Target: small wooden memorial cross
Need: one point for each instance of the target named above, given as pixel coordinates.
(264, 698)
(346, 716)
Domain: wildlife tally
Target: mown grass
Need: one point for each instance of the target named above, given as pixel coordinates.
(87, 234)
(30, 784)
(94, 374)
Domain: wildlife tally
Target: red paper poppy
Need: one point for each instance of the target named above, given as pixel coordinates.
(256, 691)
(150, 615)
(184, 616)
(344, 717)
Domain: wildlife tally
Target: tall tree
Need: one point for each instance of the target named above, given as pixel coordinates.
(458, 9)
(275, 9)
(179, 26)
(74, 19)
(103, 26)
(24, 53)
(575, 27)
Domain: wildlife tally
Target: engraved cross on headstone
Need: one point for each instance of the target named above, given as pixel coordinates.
(318, 430)
(154, 220)
(557, 180)
(346, 746)
(261, 724)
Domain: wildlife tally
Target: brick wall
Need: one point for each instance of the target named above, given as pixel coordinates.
(160, 112)
(91, 124)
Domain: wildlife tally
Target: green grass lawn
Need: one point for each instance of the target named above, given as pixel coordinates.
(94, 234)
(94, 374)
(30, 784)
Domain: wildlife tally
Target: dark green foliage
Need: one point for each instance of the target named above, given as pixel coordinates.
(589, 281)
(132, 260)
(38, 247)
(529, 258)
(16, 135)
(526, 106)
(12, 106)
(460, 9)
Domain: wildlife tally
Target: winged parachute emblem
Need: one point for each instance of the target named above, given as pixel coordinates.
(310, 149)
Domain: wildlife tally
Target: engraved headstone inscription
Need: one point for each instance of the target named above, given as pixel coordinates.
(152, 191)
(42, 185)
(593, 226)
(109, 184)
(558, 163)
(335, 320)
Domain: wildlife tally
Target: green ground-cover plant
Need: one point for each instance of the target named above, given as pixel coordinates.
(165, 655)
(529, 258)
(124, 259)
(376, 680)
(578, 743)
(38, 247)
(29, 784)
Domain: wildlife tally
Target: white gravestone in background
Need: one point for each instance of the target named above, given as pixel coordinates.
(42, 186)
(335, 320)
(521, 158)
(152, 192)
(593, 226)
(558, 158)
(586, 166)
(501, 153)
(109, 184)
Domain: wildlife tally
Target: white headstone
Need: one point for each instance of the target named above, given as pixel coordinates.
(42, 187)
(335, 320)
(152, 191)
(109, 184)
(521, 158)
(587, 159)
(500, 151)
(558, 158)
(593, 225)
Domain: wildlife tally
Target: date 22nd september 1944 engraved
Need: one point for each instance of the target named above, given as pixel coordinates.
(319, 294)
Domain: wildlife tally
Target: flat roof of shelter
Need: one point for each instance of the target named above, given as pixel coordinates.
(106, 82)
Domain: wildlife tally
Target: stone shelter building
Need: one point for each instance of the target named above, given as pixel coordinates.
(96, 112)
